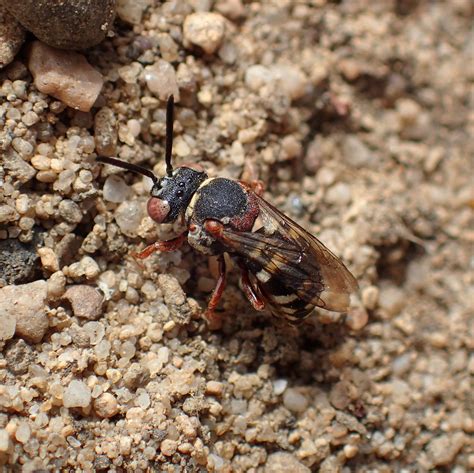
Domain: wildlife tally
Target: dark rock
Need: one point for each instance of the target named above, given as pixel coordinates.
(12, 36)
(19, 262)
(75, 24)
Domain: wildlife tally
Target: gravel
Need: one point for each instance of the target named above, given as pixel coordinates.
(355, 115)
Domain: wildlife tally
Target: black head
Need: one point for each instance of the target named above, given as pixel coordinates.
(171, 194)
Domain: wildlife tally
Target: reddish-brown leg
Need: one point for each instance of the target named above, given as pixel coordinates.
(249, 291)
(215, 320)
(169, 245)
(256, 186)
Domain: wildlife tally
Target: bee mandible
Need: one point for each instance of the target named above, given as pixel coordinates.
(283, 267)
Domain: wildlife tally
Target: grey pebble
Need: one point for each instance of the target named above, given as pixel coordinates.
(18, 262)
(19, 356)
(76, 24)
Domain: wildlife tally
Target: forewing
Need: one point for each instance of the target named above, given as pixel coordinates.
(298, 259)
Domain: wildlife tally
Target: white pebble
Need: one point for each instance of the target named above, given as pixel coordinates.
(294, 400)
(23, 432)
(77, 394)
(4, 440)
(279, 386)
(339, 194)
(128, 216)
(287, 78)
(216, 461)
(95, 331)
(161, 80)
(256, 76)
(205, 30)
(143, 400)
(115, 189)
(131, 11)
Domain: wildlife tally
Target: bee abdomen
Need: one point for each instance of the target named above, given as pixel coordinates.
(282, 300)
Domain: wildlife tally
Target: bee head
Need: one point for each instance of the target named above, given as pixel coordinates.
(171, 194)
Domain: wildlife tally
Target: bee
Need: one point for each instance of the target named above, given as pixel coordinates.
(283, 267)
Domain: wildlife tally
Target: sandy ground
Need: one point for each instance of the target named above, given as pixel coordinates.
(356, 115)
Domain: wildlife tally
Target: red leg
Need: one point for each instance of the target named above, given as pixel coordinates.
(215, 320)
(249, 291)
(169, 245)
(256, 186)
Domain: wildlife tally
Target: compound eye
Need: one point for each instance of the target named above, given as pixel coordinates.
(158, 209)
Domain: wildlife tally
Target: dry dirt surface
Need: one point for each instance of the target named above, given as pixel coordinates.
(356, 116)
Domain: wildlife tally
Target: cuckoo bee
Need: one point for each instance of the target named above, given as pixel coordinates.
(283, 267)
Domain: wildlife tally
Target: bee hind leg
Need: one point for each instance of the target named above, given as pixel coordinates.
(170, 245)
(249, 291)
(215, 320)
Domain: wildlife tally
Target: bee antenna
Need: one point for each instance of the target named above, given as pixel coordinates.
(169, 135)
(128, 166)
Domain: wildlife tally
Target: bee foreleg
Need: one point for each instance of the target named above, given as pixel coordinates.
(170, 245)
(249, 290)
(214, 320)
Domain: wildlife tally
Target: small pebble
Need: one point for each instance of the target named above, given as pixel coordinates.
(115, 189)
(131, 11)
(161, 80)
(106, 405)
(205, 30)
(357, 318)
(86, 267)
(56, 284)
(442, 450)
(339, 194)
(86, 301)
(4, 441)
(214, 388)
(7, 213)
(49, 260)
(19, 356)
(370, 297)
(294, 400)
(26, 302)
(168, 447)
(282, 462)
(17, 166)
(65, 75)
(279, 386)
(94, 331)
(105, 132)
(18, 261)
(23, 432)
(128, 216)
(77, 394)
(391, 299)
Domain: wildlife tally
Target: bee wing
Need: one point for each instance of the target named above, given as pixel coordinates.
(293, 256)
